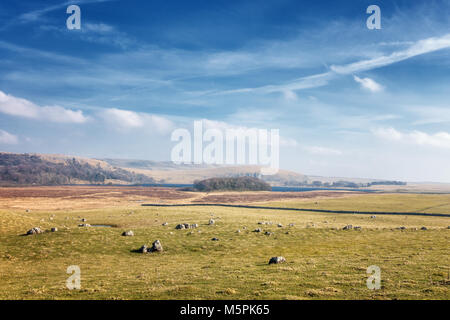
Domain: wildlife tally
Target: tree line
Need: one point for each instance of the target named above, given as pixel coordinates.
(234, 184)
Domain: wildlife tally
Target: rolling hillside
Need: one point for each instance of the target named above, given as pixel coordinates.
(33, 169)
(54, 169)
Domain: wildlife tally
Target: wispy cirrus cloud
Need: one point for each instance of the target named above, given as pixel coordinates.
(36, 53)
(420, 47)
(20, 107)
(36, 14)
(99, 33)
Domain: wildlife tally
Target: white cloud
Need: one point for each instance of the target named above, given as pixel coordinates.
(317, 150)
(126, 119)
(430, 114)
(123, 118)
(288, 142)
(439, 139)
(23, 108)
(290, 95)
(368, 84)
(7, 138)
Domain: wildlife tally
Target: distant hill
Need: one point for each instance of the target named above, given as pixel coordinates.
(168, 172)
(154, 165)
(54, 169)
(31, 169)
(232, 184)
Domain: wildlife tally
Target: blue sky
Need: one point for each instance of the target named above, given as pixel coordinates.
(349, 101)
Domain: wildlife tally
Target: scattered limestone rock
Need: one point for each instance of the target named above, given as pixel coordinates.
(83, 220)
(357, 228)
(238, 231)
(261, 222)
(257, 230)
(186, 226)
(165, 224)
(347, 227)
(54, 229)
(373, 217)
(211, 222)
(402, 228)
(143, 249)
(215, 239)
(291, 224)
(276, 260)
(268, 233)
(35, 230)
(156, 247)
(84, 225)
(280, 225)
(129, 233)
(424, 228)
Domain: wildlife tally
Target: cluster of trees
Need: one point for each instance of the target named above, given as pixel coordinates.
(24, 169)
(344, 184)
(387, 183)
(234, 184)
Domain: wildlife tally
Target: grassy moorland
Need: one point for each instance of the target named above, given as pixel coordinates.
(323, 261)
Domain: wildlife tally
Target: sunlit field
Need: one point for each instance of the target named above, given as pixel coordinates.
(323, 261)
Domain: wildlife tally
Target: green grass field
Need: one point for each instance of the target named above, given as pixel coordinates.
(323, 261)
